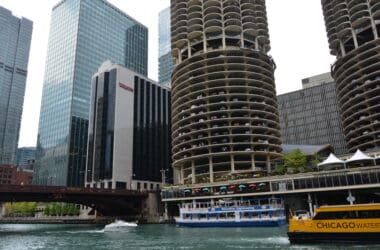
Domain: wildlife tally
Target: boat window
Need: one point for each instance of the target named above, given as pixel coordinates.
(335, 215)
(361, 214)
(264, 214)
(231, 215)
(365, 214)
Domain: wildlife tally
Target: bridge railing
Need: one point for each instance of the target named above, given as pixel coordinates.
(62, 189)
(286, 183)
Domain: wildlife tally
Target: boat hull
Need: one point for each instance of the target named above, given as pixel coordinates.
(264, 223)
(332, 238)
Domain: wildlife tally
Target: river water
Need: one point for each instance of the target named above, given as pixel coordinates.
(91, 237)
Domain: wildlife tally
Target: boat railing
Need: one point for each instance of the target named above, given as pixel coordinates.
(272, 203)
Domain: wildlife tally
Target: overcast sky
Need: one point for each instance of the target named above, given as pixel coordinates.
(296, 27)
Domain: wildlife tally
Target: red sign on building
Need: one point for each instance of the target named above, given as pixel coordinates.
(126, 87)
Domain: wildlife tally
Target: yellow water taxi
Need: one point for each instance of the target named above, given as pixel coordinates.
(341, 223)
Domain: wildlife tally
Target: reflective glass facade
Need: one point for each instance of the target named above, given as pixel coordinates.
(311, 117)
(165, 59)
(25, 157)
(15, 38)
(83, 34)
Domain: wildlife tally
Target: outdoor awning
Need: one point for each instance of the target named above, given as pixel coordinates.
(331, 160)
(359, 156)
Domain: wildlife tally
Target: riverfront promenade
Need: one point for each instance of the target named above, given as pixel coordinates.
(280, 185)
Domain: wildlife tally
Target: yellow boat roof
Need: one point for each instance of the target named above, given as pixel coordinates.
(331, 208)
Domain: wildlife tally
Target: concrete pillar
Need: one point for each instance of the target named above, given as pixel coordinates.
(204, 44)
(211, 170)
(342, 49)
(182, 176)
(166, 213)
(232, 163)
(188, 49)
(224, 41)
(355, 39)
(268, 164)
(253, 161)
(193, 181)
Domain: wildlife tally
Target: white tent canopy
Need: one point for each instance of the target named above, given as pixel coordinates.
(331, 160)
(359, 156)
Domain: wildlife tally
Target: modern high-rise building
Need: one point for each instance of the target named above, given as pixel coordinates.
(310, 116)
(165, 59)
(353, 29)
(225, 118)
(15, 38)
(128, 140)
(26, 157)
(83, 34)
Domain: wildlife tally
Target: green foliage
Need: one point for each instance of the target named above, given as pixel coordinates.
(61, 209)
(295, 161)
(316, 160)
(20, 209)
(279, 170)
(47, 210)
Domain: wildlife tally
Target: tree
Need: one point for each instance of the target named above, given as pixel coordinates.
(53, 210)
(295, 161)
(47, 210)
(65, 209)
(316, 160)
(279, 170)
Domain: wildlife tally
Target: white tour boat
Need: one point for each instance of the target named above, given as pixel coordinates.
(233, 213)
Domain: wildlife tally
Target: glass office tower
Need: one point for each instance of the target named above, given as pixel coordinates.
(15, 38)
(165, 59)
(225, 120)
(83, 34)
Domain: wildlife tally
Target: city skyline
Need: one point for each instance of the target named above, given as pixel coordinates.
(309, 53)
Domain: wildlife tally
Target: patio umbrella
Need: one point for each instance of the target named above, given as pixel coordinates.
(252, 185)
(262, 184)
(187, 190)
(242, 186)
(232, 187)
(197, 189)
(223, 188)
(206, 189)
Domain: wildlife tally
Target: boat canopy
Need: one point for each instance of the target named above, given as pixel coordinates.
(331, 160)
(359, 156)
